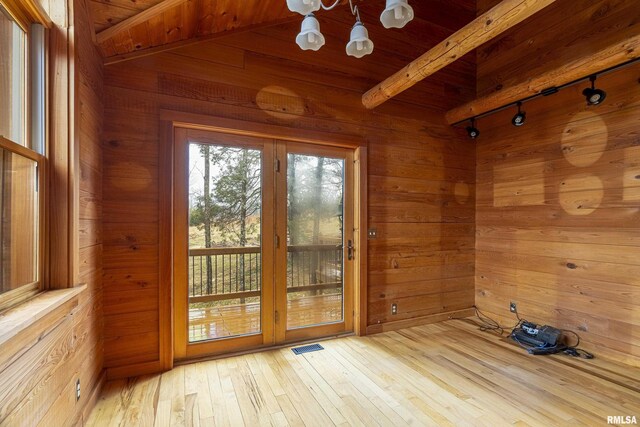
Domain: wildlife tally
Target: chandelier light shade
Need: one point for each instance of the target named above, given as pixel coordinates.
(303, 7)
(360, 44)
(397, 14)
(310, 37)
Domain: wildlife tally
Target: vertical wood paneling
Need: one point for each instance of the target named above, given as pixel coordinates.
(421, 172)
(558, 200)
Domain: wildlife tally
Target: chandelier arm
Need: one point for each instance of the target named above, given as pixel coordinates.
(330, 7)
(354, 10)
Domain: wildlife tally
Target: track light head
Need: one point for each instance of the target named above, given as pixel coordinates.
(594, 96)
(520, 117)
(472, 130)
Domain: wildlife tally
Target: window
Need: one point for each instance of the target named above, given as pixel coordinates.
(22, 148)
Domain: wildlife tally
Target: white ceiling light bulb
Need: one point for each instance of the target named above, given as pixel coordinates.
(310, 37)
(397, 14)
(360, 44)
(303, 7)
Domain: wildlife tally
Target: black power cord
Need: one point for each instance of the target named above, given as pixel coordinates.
(486, 323)
(489, 324)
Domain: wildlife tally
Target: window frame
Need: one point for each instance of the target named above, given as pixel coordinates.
(24, 292)
(26, 13)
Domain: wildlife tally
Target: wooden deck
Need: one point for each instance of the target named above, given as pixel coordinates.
(241, 319)
(445, 374)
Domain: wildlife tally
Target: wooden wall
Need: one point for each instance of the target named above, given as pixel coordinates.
(39, 387)
(558, 200)
(421, 172)
(89, 105)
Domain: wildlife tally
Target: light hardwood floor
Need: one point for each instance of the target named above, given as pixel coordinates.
(442, 374)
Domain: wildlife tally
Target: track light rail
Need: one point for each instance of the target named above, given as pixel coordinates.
(547, 92)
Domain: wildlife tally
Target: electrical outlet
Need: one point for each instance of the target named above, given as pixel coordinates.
(512, 307)
(372, 233)
(394, 308)
(77, 389)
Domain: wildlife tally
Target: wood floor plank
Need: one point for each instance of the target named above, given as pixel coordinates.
(225, 369)
(301, 398)
(270, 401)
(324, 395)
(358, 396)
(220, 416)
(289, 411)
(446, 374)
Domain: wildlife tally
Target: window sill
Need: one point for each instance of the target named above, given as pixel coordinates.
(25, 322)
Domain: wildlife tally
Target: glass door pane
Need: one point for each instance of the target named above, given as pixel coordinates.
(225, 254)
(315, 212)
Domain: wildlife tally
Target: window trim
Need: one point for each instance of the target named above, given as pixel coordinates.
(16, 296)
(26, 13)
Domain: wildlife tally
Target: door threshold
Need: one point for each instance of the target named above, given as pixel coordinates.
(260, 349)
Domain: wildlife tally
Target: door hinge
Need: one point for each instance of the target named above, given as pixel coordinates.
(277, 165)
(277, 241)
(277, 317)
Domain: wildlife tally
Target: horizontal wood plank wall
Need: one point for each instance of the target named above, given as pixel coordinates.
(42, 382)
(421, 172)
(558, 200)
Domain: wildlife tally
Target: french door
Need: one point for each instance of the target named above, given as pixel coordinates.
(263, 242)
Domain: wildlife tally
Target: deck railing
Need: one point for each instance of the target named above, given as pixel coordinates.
(218, 274)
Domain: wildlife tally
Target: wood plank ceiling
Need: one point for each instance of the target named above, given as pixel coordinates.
(189, 19)
(202, 19)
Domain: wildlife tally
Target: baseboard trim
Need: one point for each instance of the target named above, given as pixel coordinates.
(417, 321)
(135, 370)
(95, 395)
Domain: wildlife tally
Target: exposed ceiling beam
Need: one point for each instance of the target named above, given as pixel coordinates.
(188, 42)
(479, 31)
(134, 20)
(611, 56)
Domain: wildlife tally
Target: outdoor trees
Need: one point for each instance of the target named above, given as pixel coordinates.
(230, 197)
(225, 207)
(228, 207)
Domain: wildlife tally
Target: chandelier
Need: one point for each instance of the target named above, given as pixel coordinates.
(396, 15)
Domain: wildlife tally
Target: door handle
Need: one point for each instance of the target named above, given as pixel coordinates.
(349, 250)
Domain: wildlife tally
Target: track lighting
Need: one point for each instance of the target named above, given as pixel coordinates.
(310, 37)
(397, 14)
(594, 96)
(520, 117)
(472, 130)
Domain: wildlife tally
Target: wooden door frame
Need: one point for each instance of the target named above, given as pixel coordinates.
(169, 121)
(182, 349)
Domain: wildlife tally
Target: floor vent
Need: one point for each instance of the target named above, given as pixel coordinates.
(307, 348)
